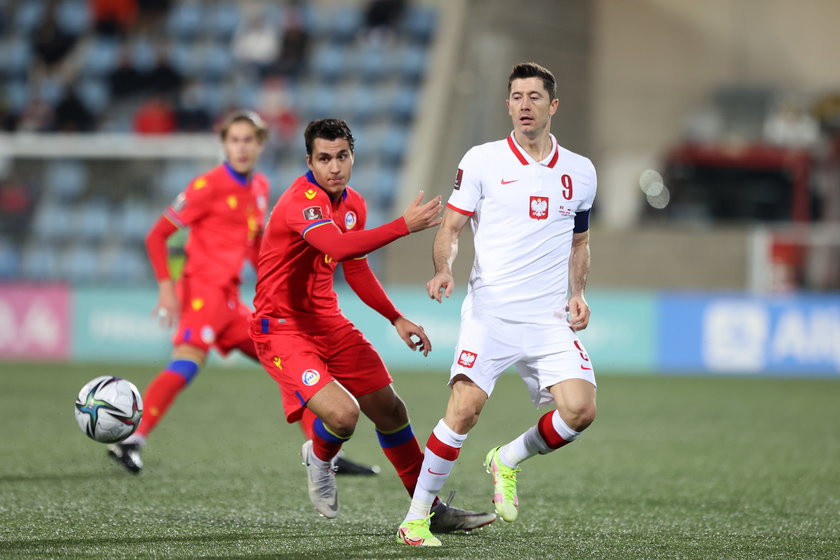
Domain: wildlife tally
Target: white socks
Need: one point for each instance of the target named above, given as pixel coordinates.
(442, 450)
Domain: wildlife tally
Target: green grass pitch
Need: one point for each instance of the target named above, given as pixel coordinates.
(705, 468)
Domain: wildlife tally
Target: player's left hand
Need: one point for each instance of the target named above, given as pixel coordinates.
(406, 329)
(578, 313)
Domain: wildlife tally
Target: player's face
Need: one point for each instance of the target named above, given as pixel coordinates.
(242, 147)
(530, 106)
(331, 163)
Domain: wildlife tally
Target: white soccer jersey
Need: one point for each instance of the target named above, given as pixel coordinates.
(522, 216)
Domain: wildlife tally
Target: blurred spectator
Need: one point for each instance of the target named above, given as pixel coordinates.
(791, 126)
(152, 12)
(155, 116)
(8, 118)
(50, 43)
(192, 115)
(275, 106)
(15, 207)
(827, 111)
(163, 79)
(256, 41)
(125, 80)
(293, 45)
(71, 115)
(113, 17)
(381, 19)
(36, 116)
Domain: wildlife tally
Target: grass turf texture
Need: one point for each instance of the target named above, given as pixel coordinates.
(672, 468)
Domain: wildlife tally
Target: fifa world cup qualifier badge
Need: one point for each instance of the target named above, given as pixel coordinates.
(312, 213)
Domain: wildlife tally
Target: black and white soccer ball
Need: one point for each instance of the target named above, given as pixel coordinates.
(108, 409)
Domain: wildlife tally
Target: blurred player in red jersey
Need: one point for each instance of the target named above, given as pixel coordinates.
(317, 356)
(225, 211)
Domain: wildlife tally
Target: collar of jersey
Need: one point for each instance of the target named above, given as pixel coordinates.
(241, 178)
(526, 159)
(311, 178)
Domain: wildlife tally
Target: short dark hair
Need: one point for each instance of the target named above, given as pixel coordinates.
(328, 129)
(244, 116)
(534, 70)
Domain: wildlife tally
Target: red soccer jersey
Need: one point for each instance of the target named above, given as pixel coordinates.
(225, 213)
(295, 279)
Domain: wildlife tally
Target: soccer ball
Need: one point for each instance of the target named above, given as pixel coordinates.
(108, 409)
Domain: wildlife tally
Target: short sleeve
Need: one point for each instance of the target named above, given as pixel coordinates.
(192, 204)
(592, 186)
(466, 192)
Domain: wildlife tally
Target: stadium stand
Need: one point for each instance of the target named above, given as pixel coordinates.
(80, 233)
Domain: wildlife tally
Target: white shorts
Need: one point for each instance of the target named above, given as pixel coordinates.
(544, 354)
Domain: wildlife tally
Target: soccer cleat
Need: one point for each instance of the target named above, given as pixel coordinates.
(504, 486)
(447, 518)
(348, 467)
(127, 455)
(323, 492)
(417, 533)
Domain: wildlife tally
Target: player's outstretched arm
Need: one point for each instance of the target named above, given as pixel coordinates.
(578, 273)
(422, 216)
(407, 330)
(443, 254)
(330, 240)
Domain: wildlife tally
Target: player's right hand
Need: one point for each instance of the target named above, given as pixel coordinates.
(441, 285)
(422, 216)
(168, 307)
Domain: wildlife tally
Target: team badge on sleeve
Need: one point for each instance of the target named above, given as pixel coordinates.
(179, 203)
(458, 177)
(467, 359)
(313, 213)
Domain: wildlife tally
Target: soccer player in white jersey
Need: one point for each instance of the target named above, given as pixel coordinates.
(528, 201)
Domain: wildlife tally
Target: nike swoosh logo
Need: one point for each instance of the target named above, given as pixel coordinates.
(509, 182)
(584, 367)
(414, 542)
(437, 473)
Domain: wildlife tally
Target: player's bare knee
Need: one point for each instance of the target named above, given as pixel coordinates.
(462, 417)
(579, 418)
(344, 423)
(399, 412)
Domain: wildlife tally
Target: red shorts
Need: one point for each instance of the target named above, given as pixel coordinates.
(302, 362)
(211, 316)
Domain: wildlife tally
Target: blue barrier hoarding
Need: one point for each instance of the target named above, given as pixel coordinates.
(633, 332)
(782, 335)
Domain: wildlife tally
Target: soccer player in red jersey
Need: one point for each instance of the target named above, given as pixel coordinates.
(225, 211)
(321, 361)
